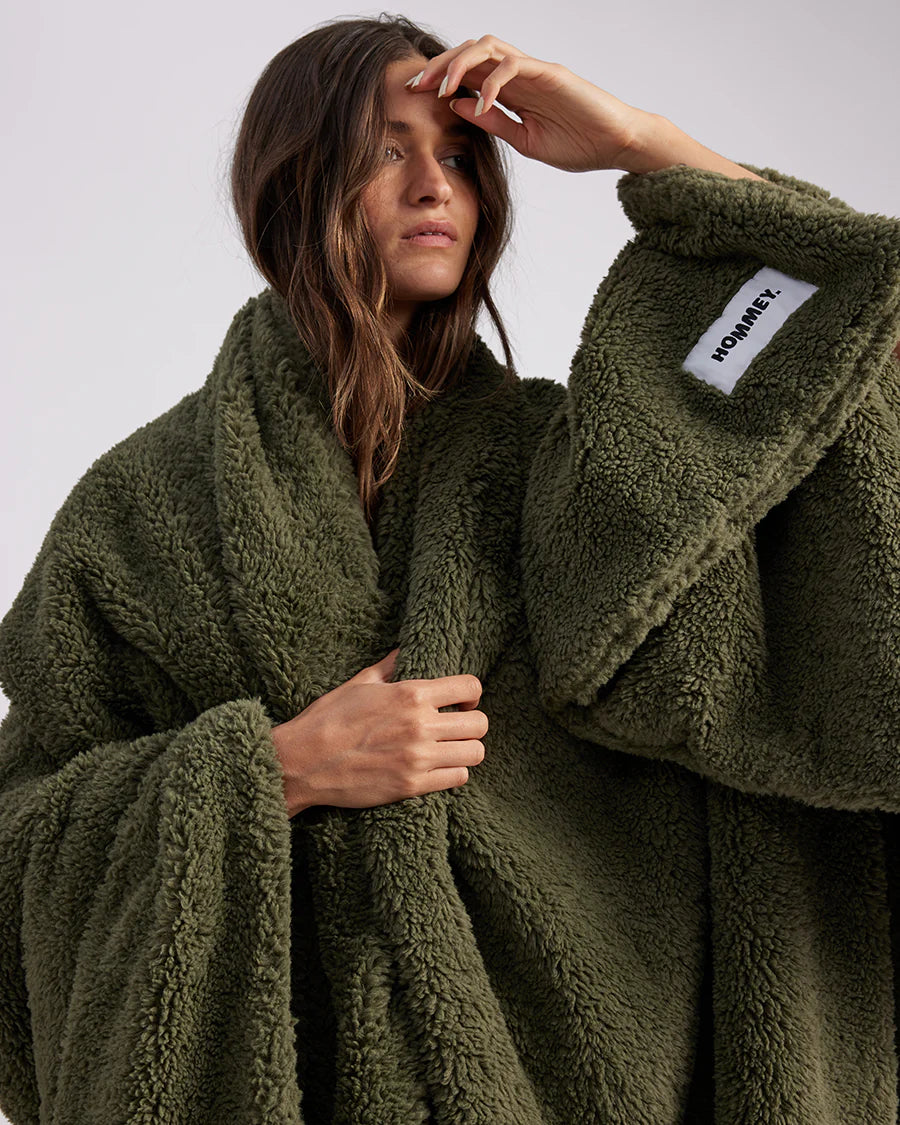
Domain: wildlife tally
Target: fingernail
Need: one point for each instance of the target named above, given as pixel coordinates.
(414, 81)
(443, 89)
(479, 107)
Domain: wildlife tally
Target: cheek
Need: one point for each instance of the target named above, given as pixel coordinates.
(371, 202)
(474, 212)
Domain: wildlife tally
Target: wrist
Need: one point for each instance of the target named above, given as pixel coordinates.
(661, 144)
(294, 791)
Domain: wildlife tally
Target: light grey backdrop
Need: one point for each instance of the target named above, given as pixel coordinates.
(124, 266)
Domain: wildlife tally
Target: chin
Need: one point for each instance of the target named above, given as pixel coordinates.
(438, 295)
(436, 292)
(427, 286)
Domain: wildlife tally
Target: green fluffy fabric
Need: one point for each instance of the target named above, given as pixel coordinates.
(667, 894)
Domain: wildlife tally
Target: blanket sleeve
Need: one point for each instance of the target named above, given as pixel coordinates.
(711, 525)
(144, 874)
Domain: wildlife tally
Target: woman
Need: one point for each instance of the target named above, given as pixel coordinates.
(250, 871)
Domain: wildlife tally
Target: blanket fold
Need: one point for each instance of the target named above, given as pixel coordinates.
(139, 909)
(740, 548)
(667, 893)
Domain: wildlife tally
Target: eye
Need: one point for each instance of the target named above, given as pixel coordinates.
(465, 161)
(391, 153)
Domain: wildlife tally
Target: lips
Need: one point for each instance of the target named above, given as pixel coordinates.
(436, 227)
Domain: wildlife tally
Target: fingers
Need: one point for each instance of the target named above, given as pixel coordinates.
(468, 751)
(426, 79)
(473, 60)
(455, 63)
(455, 726)
(491, 66)
(382, 670)
(493, 121)
(444, 691)
(499, 76)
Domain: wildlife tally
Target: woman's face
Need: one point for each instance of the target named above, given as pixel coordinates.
(425, 183)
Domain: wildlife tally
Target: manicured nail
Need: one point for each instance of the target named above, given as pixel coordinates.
(414, 81)
(443, 89)
(479, 107)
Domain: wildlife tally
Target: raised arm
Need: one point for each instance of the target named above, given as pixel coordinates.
(710, 539)
(710, 536)
(567, 122)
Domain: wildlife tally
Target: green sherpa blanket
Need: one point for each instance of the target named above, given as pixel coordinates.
(667, 894)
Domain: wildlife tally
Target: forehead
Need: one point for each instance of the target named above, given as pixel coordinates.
(418, 110)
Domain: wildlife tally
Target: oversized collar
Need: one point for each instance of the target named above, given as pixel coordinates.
(434, 578)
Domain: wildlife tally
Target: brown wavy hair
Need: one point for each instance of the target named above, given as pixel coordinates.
(311, 138)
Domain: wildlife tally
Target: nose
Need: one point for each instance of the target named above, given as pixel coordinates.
(428, 181)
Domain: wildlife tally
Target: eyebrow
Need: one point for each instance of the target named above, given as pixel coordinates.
(458, 129)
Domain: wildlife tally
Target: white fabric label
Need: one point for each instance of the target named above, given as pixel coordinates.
(750, 320)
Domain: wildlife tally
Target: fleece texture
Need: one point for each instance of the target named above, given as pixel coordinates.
(668, 893)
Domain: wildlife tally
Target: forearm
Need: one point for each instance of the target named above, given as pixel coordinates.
(664, 144)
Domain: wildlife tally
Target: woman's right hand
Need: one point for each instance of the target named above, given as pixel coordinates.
(372, 742)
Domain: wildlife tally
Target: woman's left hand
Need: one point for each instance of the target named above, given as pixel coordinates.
(567, 122)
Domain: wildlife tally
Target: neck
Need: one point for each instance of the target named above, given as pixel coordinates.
(399, 318)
